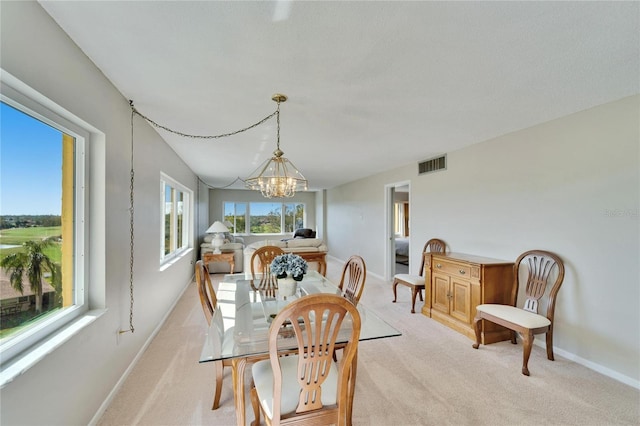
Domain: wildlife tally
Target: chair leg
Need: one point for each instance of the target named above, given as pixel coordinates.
(550, 344)
(219, 375)
(477, 324)
(256, 406)
(395, 286)
(514, 339)
(414, 292)
(527, 338)
(420, 294)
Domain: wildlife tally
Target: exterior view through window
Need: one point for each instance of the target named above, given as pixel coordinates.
(264, 217)
(37, 175)
(176, 207)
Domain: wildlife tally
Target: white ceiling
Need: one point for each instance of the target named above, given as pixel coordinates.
(372, 85)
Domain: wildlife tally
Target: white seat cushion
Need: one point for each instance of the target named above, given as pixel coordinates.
(515, 315)
(412, 279)
(263, 380)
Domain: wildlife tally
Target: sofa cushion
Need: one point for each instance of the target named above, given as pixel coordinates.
(306, 243)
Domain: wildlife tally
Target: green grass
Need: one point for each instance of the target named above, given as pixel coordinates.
(17, 236)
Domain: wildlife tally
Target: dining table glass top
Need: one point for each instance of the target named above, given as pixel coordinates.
(240, 324)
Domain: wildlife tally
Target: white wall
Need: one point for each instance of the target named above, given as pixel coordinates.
(570, 186)
(72, 382)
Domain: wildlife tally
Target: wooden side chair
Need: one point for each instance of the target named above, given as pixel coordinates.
(416, 282)
(539, 268)
(264, 256)
(209, 303)
(354, 274)
(309, 387)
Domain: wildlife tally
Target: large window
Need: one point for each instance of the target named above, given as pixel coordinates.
(176, 210)
(43, 219)
(264, 217)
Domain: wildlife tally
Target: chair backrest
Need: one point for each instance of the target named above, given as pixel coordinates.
(316, 342)
(540, 266)
(354, 274)
(265, 256)
(208, 298)
(434, 245)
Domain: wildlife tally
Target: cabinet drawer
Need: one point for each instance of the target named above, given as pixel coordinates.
(451, 268)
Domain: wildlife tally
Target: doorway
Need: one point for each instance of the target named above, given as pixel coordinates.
(398, 232)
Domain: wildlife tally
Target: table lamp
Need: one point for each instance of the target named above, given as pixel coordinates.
(218, 229)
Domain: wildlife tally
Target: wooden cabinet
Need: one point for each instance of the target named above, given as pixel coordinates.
(455, 283)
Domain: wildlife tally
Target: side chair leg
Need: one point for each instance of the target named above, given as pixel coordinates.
(395, 286)
(528, 344)
(477, 324)
(414, 293)
(550, 345)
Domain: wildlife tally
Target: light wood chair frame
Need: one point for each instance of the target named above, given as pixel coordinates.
(265, 256)
(354, 275)
(316, 344)
(540, 264)
(209, 302)
(434, 245)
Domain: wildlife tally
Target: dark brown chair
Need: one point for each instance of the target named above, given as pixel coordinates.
(539, 268)
(416, 282)
(354, 274)
(209, 303)
(261, 265)
(309, 387)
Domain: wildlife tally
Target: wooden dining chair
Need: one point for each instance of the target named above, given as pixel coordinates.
(209, 303)
(354, 274)
(309, 387)
(261, 264)
(417, 282)
(539, 268)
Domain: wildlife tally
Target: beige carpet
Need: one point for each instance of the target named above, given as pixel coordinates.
(428, 376)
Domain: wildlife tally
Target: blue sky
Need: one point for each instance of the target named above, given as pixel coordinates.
(30, 165)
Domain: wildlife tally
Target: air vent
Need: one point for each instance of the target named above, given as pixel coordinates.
(432, 165)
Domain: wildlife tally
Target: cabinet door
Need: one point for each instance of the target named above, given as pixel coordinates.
(461, 300)
(440, 294)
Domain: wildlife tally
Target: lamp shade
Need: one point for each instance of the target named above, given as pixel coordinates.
(217, 227)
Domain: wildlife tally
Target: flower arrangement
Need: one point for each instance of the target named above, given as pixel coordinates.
(289, 264)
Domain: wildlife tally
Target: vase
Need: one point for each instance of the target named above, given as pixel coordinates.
(287, 286)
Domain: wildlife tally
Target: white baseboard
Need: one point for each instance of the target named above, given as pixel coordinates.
(605, 371)
(103, 407)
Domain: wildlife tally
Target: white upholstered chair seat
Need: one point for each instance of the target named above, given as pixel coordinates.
(515, 315)
(408, 278)
(263, 381)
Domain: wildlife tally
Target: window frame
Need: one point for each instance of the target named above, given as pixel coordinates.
(187, 219)
(283, 209)
(26, 100)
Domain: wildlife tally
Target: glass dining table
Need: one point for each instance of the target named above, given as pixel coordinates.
(239, 329)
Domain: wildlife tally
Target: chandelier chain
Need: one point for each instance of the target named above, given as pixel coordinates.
(186, 135)
(131, 233)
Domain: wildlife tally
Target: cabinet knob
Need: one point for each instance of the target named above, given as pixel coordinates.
(438, 265)
(461, 271)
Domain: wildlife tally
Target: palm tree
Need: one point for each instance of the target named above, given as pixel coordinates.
(35, 262)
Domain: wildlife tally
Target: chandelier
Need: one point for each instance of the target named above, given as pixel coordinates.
(277, 177)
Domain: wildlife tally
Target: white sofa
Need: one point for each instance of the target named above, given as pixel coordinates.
(232, 244)
(294, 245)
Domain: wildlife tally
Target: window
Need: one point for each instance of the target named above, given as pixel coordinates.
(176, 210)
(264, 217)
(43, 219)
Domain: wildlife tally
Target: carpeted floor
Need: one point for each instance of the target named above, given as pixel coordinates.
(428, 376)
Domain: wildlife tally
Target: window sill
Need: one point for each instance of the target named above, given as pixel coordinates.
(31, 357)
(168, 262)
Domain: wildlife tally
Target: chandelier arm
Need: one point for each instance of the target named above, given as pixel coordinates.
(186, 135)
